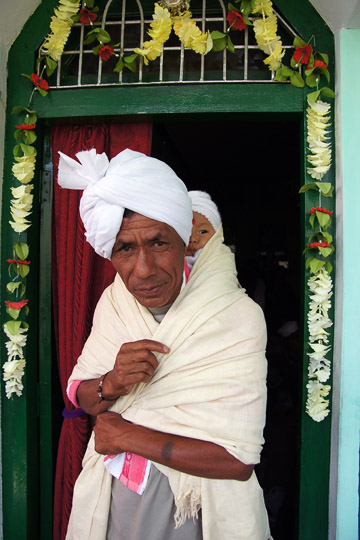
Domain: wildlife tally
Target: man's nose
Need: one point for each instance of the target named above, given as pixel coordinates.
(145, 264)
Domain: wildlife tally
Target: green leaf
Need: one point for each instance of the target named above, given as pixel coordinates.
(131, 66)
(298, 42)
(13, 286)
(17, 134)
(217, 35)
(13, 327)
(89, 4)
(23, 270)
(323, 219)
(230, 45)
(119, 65)
(26, 310)
(43, 92)
(311, 80)
(96, 49)
(327, 92)
(325, 188)
(219, 44)
(14, 313)
(314, 264)
(297, 80)
(103, 36)
(326, 73)
(31, 118)
(21, 250)
(279, 77)
(326, 251)
(312, 220)
(130, 59)
(328, 267)
(90, 38)
(313, 96)
(327, 237)
(324, 57)
(293, 63)
(27, 149)
(51, 66)
(30, 137)
(18, 108)
(306, 187)
(286, 71)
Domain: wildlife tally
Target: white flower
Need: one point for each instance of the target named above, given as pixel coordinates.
(320, 285)
(317, 405)
(13, 373)
(317, 137)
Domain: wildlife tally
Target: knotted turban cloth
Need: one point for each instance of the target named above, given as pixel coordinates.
(130, 180)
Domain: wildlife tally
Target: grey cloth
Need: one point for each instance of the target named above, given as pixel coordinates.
(149, 516)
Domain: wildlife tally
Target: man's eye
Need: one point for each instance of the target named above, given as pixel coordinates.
(159, 244)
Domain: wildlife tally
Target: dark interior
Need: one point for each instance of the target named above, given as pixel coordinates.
(251, 169)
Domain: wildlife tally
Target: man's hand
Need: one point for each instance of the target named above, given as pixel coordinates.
(108, 430)
(135, 363)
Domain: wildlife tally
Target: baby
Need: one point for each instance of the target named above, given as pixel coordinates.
(206, 220)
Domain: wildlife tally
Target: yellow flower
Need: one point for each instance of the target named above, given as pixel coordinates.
(60, 27)
(152, 49)
(187, 31)
(274, 60)
(263, 7)
(202, 44)
(161, 25)
(265, 30)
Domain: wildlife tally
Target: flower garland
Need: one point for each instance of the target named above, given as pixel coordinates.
(23, 169)
(306, 67)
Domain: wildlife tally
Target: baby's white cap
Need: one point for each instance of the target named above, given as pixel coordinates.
(203, 204)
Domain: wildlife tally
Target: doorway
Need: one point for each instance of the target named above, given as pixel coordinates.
(251, 169)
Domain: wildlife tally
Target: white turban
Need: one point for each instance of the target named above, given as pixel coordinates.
(204, 205)
(130, 180)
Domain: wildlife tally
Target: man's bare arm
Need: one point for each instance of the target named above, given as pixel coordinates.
(135, 363)
(114, 435)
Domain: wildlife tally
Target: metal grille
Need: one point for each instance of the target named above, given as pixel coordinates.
(127, 25)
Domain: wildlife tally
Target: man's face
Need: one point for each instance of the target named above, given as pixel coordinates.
(149, 257)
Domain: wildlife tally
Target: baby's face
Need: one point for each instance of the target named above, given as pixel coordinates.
(202, 231)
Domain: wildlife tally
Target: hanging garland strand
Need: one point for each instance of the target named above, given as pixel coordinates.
(23, 169)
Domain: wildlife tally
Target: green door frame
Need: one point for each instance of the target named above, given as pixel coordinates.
(26, 421)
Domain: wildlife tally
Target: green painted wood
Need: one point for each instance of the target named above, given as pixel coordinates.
(179, 99)
(25, 487)
(46, 450)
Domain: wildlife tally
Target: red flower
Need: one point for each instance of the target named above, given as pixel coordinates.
(106, 52)
(302, 54)
(319, 209)
(236, 20)
(87, 17)
(12, 261)
(319, 244)
(38, 81)
(317, 64)
(16, 305)
(26, 126)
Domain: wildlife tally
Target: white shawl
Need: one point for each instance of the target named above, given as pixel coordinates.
(211, 386)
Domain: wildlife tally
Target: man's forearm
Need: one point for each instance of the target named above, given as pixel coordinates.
(191, 456)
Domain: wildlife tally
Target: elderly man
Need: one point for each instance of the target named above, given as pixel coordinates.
(174, 372)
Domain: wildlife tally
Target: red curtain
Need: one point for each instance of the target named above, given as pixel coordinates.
(79, 276)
